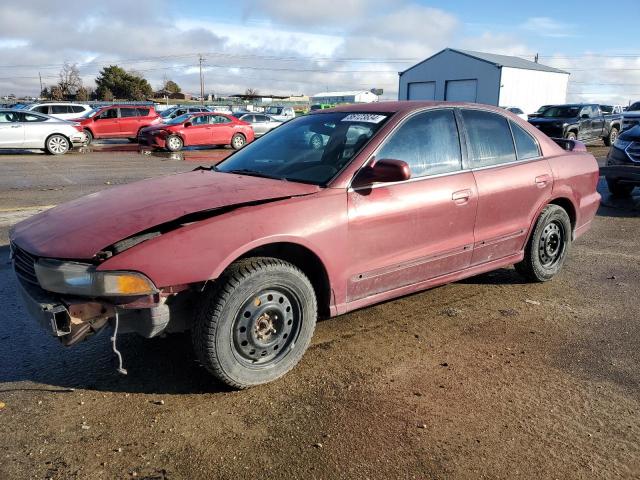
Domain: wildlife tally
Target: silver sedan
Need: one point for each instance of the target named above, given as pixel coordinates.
(23, 129)
(261, 123)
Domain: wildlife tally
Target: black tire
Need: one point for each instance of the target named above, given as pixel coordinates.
(174, 143)
(572, 136)
(238, 141)
(619, 190)
(133, 140)
(255, 323)
(611, 138)
(57, 144)
(316, 141)
(89, 137)
(548, 246)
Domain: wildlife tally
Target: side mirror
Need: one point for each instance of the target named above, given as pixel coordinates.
(187, 124)
(584, 115)
(383, 171)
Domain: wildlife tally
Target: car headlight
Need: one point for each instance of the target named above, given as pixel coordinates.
(621, 144)
(83, 279)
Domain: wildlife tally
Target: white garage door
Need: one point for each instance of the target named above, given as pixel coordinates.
(461, 90)
(421, 91)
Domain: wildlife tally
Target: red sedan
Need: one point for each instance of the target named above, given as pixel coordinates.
(401, 197)
(197, 129)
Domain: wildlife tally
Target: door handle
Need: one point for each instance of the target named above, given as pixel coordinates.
(461, 196)
(16, 126)
(542, 180)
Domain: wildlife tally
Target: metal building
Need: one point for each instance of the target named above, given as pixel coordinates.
(466, 76)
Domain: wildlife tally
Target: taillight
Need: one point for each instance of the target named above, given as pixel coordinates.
(579, 146)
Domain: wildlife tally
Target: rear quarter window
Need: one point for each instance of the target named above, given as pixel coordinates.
(490, 138)
(526, 145)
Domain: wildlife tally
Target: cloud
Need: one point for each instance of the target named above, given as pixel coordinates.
(281, 47)
(548, 27)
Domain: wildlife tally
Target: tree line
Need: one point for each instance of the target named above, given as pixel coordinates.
(113, 82)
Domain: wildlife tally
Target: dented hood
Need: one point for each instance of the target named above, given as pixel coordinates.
(81, 228)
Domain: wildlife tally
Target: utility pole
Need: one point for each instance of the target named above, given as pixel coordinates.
(40, 77)
(201, 59)
(536, 58)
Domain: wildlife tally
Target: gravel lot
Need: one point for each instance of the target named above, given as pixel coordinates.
(485, 378)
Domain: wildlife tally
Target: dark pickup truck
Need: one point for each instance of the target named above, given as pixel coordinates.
(580, 121)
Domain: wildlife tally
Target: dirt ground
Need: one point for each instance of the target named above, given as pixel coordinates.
(486, 378)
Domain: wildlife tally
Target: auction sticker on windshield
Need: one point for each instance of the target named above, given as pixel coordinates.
(364, 117)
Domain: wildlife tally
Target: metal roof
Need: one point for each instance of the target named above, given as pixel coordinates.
(497, 60)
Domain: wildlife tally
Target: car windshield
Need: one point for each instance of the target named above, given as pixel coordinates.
(90, 113)
(167, 112)
(309, 149)
(634, 107)
(542, 108)
(273, 110)
(178, 120)
(561, 112)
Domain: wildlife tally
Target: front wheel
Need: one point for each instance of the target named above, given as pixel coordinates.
(256, 322)
(57, 144)
(572, 136)
(174, 143)
(89, 137)
(611, 138)
(548, 245)
(238, 141)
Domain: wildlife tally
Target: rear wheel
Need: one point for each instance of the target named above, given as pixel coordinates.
(548, 245)
(174, 143)
(256, 322)
(620, 190)
(238, 141)
(57, 144)
(611, 138)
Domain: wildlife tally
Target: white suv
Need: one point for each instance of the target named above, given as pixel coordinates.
(64, 111)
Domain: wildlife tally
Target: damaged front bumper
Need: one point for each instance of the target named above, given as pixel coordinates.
(74, 319)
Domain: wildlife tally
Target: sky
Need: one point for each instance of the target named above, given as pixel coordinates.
(293, 47)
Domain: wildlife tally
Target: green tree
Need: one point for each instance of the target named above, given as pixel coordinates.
(171, 86)
(122, 84)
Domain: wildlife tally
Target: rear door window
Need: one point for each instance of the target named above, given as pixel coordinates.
(428, 142)
(58, 109)
(526, 145)
(128, 112)
(143, 112)
(489, 137)
(30, 117)
(77, 109)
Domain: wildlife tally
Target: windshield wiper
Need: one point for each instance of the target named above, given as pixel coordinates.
(252, 173)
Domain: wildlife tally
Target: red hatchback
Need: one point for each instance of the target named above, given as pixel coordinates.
(117, 121)
(400, 197)
(198, 129)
